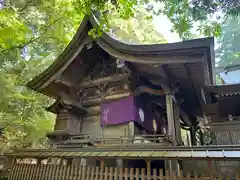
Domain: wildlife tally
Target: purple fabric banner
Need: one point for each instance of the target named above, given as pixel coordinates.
(126, 110)
(117, 112)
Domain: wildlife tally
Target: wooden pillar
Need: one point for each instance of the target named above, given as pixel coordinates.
(179, 141)
(177, 124)
(102, 164)
(170, 118)
(131, 129)
(101, 168)
(148, 168)
(170, 164)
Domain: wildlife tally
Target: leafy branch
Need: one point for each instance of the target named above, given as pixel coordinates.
(27, 4)
(31, 40)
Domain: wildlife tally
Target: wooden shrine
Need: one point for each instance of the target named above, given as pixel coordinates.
(151, 80)
(113, 99)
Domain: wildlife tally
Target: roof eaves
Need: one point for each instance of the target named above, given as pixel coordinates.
(119, 49)
(140, 53)
(66, 57)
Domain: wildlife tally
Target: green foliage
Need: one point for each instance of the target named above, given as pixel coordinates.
(32, 35)
(218, 80)
(137, 29)
(21, 109)
(182, 13)
(187, 15)
(228, 51)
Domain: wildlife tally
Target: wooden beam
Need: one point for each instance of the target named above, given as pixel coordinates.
(221, 89)
(95, 82)
(105, 94)
(108, 79)
(97, 101)
(145, 89)
(227, 69)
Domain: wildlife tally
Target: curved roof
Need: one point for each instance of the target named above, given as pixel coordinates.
(181, 52)
(63, 60)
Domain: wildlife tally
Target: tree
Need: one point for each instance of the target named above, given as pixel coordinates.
(185, 15)
(32, 35)
(228, 51)
(137, 29)
(21, 110)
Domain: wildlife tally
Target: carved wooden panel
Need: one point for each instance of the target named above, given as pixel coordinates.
(103, 90)
(103, 67)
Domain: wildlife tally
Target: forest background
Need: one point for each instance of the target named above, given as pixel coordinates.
(34, 32)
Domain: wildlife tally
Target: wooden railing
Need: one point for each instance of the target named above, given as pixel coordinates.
(113, 141)
(28, 171)
(134, 139)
